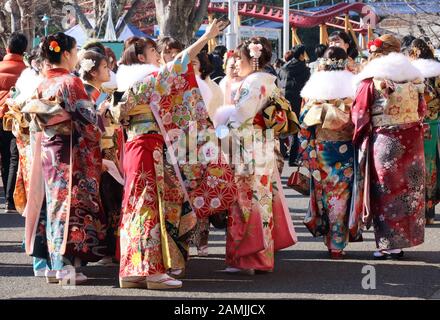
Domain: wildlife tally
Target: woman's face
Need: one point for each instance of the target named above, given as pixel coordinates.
(168, 55)
(243, 66)
(102, 74)
(71, 58)
(231, 71)
(152, 56)
(338, 42)
(196, 66)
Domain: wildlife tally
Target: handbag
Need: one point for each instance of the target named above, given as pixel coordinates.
(299, 182)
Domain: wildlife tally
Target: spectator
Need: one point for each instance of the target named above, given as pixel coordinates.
(319, 53)
(217, 60)
(293, 76)
(10, 70)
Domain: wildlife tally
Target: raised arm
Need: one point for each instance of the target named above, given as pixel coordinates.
(212, 31)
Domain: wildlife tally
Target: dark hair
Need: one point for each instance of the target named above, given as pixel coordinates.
(320, 50)
(421, 50)
(406, 42)
(169, 43)
(298, 50)
(352, 50)
(34, 56)
(266, 53)
(95, 46)
(133, 47)
(17, 43)
(220, 51)
(65, 42)
(97, 58)
(335, 54)
(279, 63)
(206, 65)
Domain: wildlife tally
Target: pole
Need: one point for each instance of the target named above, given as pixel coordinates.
(231, 37)
(286, 26)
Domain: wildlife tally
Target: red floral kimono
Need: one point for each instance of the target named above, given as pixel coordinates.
(389, 187)
(157, 219)
(71, 166)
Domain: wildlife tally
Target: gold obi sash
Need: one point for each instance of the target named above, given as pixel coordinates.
(397, 104)
(142, 121)
(14, 119)
(332, 120)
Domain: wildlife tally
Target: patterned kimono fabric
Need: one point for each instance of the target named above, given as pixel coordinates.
(260, 223)
(111, 191)
(25, 132)
(389, 141)
(71, 166)
(430, 70)
(431, 146)
(157, 221)
(327, 152)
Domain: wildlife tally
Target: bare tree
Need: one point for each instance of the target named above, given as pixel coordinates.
(180, 18)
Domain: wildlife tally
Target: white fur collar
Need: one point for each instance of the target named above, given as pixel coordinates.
(394, 66)
(27, 84)
(328, 85)
(128, 76)
(428, 67)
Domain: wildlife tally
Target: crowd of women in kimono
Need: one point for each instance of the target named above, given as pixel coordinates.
(105, 176)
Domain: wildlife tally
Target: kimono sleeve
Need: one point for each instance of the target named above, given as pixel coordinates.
(251, 97)
(78, 104)
(361, 114)
(120, 111)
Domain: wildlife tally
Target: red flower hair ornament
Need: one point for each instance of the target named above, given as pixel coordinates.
(374, 45)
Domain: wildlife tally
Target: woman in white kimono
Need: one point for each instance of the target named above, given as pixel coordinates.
(260, 223)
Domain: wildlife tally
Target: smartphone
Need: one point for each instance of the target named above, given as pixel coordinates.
(226, 22)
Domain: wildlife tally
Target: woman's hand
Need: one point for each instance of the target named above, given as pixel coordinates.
(214, 29)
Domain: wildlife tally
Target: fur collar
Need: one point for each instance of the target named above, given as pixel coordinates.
(395, 67)
(328, 85)
(128, 76)
(428, 67)
(27, 84)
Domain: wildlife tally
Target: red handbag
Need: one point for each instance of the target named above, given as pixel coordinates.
(299, 182)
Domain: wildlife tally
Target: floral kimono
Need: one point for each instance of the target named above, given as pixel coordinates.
(260, 223)
(70, 166)
(389, 190)
(431, 71)
(159, 107)
(111, 190)
(327, 152)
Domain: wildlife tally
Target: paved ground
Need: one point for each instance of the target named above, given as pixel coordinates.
(303, 271)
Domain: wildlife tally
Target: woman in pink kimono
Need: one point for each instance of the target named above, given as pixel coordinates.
(260, 223)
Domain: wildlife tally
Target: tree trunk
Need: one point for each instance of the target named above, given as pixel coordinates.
(15, 16)
(27, 10)
(180, 19)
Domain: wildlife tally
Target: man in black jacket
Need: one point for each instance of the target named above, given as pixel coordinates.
(293, 76)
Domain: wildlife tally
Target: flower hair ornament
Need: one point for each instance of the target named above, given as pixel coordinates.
(374, 45)
(54, 46)
(333, 64)
(255, 50)
(86, 65)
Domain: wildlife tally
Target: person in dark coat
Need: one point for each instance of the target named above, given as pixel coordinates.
(10, 70)
(293, 77)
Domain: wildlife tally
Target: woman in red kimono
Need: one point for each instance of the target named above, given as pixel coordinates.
(159, 106)
(95, 72)
(71, 164)
(388, 114)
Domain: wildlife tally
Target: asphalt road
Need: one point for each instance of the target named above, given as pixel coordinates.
(301, 272)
